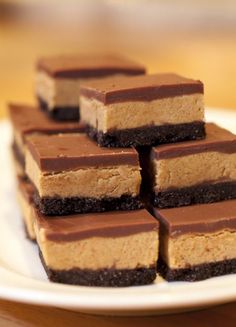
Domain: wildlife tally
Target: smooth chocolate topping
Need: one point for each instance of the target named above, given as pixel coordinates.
(81, 226)
(58, 153)
(81, 66)
(140, 88)
(26, 189)
(217, 139)
(29, 119)
(202, 218)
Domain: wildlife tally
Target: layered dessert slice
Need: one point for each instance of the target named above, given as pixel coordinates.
(58, 80)
(194, 172)
(197, 242)
(29, 120)
(71, 174)
(143, 110)
(25, 199)
(103, 249)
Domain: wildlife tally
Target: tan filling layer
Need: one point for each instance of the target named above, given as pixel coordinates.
(61, 92)
(174, 110)
(194, 169)
(27, 215)
(85, 182)
(129, 252)
(194, 249)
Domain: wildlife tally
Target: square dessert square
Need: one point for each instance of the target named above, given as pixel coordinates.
(28, 120)
(103, 249)
(143, 110)
(197, 242)
(58, 79)
(194, 172)
(25, 192)
(71, 174)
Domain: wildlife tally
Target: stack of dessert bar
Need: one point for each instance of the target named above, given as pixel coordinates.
(139, 185)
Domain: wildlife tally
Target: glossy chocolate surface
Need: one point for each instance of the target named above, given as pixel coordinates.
(109, 224)
(140, 88)
(29, 119)
(57, 153)
(201, 218)
(217, 139)
(88, 66)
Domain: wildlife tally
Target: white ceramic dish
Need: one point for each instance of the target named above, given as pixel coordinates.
(23, 279)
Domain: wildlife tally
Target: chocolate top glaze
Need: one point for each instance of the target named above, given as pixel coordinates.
(58, 153)
(109, 224)
(26, 189)
(88, 66)
(140, 88)
(29, 119)
(217, 139)
(198, 219)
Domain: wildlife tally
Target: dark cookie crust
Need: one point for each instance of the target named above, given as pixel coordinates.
(147, 136)
(198, 272)
(66, 206)
(60, 113)
(102, 277)
(204, 193)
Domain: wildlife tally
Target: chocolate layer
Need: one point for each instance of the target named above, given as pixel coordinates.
(198, 272)
(26, 189)
(103, 277)
(148, 135)
(60, 113)
(203, 193)
(201, 218)
(217, 139)
(29, 119)
(67, 152)
(66, 206)
(141, 88)
(82, 226)
(88, 66)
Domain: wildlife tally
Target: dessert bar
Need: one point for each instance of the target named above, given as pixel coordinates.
(143, 110)
(194, 172)
(71, 174)
(197, 242)
(58, 80)
(103, 249)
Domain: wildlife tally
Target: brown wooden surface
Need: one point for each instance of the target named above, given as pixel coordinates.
(12, 315)
(209, 56)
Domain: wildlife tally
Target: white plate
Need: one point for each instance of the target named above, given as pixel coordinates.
(23, 279)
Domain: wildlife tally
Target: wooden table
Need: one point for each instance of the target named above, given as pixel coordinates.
(15, 315)
(206, 56)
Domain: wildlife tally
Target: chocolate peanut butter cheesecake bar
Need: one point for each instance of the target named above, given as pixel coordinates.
(143, 110)
(103, 249)
(197, 242)
(29, 120)
(25, 199)
(58, 79)
(194, 172)
(71, 174)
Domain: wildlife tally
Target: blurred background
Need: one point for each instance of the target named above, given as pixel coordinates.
(195, 38)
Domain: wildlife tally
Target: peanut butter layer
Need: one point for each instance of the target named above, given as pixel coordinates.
(86, 66)
(198, 234)
(60, 153)
(196, 162)
(82, 241)
(138, 114)
(141, 88)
